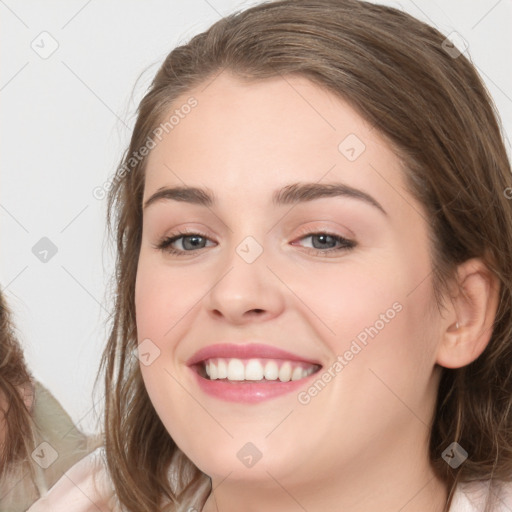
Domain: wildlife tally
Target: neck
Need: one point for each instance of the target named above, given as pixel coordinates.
(398, 483)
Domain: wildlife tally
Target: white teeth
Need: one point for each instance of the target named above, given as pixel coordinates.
(255, 370)
(285, 372)
(271, 371)
(297, 373)
(222, 369)
(213, 371)
(236, 370)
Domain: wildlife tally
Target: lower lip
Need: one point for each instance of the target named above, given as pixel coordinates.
(249, 391)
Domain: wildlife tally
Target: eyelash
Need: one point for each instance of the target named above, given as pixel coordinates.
(346, 245)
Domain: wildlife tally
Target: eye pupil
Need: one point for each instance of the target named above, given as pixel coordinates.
(193, 241)
(323, 240)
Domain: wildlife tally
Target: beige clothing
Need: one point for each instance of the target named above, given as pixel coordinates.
(59, 445)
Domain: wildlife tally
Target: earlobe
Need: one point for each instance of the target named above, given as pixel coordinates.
(466, 331)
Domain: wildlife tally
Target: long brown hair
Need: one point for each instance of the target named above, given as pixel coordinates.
(29, 415)
(436, 113)
(15, 420)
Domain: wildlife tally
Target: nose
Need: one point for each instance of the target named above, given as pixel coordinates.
(245, 292)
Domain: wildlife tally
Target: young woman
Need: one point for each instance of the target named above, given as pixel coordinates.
(314, 239)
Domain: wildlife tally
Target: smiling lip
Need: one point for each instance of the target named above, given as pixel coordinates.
(246, 391)
(248, 351)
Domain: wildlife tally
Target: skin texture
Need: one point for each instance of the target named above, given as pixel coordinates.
(361, 443)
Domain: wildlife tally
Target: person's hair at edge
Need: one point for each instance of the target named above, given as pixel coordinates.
(15, 424)
(437, 115)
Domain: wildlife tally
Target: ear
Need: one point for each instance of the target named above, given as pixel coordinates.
(467, 329)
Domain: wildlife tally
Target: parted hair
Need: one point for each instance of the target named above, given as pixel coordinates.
(433, 108)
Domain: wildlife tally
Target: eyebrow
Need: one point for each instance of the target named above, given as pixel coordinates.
(291, 194)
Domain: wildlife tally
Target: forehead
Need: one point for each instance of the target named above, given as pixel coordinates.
(252, 136)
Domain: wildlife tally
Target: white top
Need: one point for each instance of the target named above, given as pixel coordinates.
(86, 487)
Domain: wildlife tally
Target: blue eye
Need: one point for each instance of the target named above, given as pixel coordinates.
(189, 242)
(326, 243)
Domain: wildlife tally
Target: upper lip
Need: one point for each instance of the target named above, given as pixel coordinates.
(245, 351)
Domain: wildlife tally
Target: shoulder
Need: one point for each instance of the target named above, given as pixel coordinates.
(472, 496)
(84, 487)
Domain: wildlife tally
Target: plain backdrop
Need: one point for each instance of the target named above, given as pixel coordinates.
(72, 74)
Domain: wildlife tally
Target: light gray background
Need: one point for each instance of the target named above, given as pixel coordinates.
(65, 121)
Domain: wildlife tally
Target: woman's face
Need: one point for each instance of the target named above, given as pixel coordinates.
(309, 256)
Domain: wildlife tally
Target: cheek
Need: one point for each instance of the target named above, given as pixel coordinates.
(377, 311)
(160, 302)
(382, 354)
(163, 298)
(389, 327)
(344, 299)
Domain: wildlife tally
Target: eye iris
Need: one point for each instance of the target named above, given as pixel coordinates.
(324, 239)
(193, 241)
